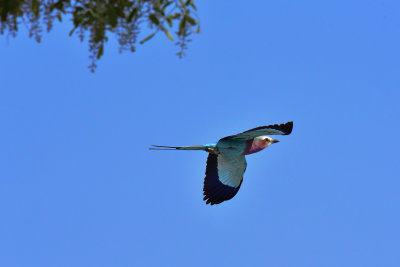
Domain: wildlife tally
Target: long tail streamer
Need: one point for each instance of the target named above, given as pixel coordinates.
(200, 147)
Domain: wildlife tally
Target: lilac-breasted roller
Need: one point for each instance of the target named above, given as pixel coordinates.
(226, 161)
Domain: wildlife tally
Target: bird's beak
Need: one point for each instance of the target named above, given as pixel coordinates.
(275, 141)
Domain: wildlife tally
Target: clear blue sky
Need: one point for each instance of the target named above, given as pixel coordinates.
(79, 187)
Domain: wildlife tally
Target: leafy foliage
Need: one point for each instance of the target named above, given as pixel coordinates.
(96, 19)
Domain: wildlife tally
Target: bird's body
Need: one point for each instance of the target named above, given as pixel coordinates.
(226, 162)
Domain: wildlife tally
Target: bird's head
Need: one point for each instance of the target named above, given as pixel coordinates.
(266, 140)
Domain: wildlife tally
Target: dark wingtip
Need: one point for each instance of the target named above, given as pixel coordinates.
(287, 127)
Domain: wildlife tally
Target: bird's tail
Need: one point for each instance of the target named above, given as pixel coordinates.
(199, 147)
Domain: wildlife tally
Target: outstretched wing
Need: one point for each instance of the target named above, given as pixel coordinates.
(276, 129)
(224, 175)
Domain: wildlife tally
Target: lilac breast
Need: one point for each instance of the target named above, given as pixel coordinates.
(252, 147)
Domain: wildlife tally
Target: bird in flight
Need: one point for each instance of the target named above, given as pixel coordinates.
(226, 162)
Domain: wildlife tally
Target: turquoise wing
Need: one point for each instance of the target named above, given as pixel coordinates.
(224, 176)
(276, 129)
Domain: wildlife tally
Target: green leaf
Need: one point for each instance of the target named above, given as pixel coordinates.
(59, 17)
(190, 20)
(59, 5)
(147, 38)
(112, 18)
(168, 34)
(131, 15)
(167, 4)
(100, 52)
(159, 10)
(193, 5)
(175, 16)
(182, 26)
(35, 7)
(72, 31)
(169, 21)
(154, 19)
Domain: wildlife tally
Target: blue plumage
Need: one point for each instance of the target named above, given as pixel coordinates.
(214, 190)
(226, 161)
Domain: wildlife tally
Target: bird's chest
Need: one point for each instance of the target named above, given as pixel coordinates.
(253, 147)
